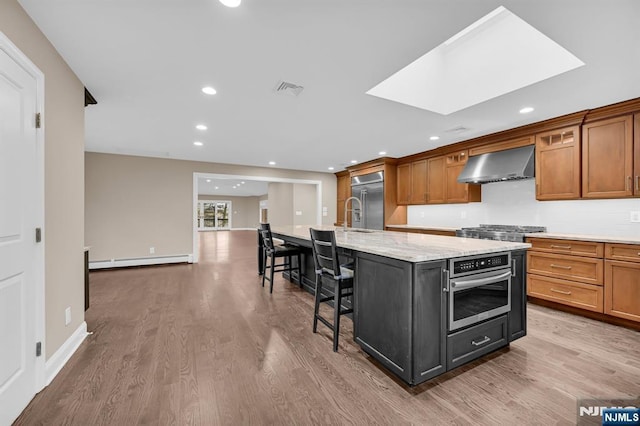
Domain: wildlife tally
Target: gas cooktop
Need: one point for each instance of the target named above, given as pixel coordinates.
(515, 233)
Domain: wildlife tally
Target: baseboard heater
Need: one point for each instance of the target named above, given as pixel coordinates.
(140, 261)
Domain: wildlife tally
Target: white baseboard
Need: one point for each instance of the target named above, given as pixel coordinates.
(141, 261)
(58, 360)
(244, 229)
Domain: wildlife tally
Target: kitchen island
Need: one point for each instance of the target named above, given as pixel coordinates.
(401, 297)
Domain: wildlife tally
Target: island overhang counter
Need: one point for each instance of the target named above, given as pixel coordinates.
(401, 310)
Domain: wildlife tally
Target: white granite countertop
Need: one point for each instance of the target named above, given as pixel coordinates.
(405, 246)
(429, 228)
(581, 237)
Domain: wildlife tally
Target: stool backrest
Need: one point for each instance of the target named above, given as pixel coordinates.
(267, 239)
(325, 255)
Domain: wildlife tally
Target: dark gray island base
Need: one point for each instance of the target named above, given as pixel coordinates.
(401, 310)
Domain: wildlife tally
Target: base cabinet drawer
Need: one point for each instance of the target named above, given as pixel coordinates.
(579, 295)
(575, 248)
(584, 269)
(627, 252)
(473, 342)
(622, 289)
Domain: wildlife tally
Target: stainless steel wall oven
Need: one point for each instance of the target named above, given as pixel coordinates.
(478, 287)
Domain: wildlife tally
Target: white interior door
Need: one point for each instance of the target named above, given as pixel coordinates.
(18, 249)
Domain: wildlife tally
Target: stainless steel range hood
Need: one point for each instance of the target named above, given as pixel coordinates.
(512, 164)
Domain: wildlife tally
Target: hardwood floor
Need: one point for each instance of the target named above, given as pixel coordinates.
(205, 344)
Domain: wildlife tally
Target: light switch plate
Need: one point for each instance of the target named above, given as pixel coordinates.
(634, 216)
(298, 212)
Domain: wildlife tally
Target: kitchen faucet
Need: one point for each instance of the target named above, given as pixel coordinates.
(346, 210)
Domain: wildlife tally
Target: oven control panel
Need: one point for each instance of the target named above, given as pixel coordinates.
(479, 263)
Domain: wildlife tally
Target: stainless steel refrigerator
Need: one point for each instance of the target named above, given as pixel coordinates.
(370, 190)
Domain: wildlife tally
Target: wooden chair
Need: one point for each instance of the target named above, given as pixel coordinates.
(272, 252)
(330, 273)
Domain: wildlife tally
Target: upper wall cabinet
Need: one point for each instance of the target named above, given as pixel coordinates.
(412, 182)
(436, 181)
(558, 164)
(607, 158)
(459, 192)
(636, 156)
(343, 192)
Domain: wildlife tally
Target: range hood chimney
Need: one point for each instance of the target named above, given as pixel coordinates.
(512, 164)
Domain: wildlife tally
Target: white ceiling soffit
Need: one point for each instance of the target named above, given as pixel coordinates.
(232, 187)
(495, 55)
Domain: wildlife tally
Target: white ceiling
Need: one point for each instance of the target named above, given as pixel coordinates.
(145, 61)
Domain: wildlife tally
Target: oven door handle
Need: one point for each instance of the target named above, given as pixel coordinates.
(463, 284)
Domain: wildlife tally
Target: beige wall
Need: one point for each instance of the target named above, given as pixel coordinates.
(245, 210)
(64, 175)
(133, 203)
(280, 204)
(304, 201)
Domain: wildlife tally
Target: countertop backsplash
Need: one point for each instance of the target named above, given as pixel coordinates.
(514, 203)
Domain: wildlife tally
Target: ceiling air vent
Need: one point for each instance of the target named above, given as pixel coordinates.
(288, 88)
(458, 129)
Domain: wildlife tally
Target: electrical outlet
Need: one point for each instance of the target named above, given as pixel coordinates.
(421, 214)
(298, 212)
(67, 316)
(634, 216)
(463, 214)
(152, 250)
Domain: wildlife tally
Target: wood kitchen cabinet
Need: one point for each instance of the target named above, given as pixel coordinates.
(412, 182)
(622, 281)
(566, 272)
(458, 192)
(343, 192)
(558, 164)
(442, 180)
(607, 158)
(436, 182)
(636, 155)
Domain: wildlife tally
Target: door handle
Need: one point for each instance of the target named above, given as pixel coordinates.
(560, 266)
(462, 284)
(486, 339)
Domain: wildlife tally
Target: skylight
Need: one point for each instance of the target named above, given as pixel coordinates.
(495, 55)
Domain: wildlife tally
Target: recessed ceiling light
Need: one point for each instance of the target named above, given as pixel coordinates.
(242, 182)
(526, 110)
(330, 168)
(209, 90)
(382, 153)
(217, 187)
(272, 163)
(354, 161)
(231, 3)
(197, 143)
(208, 180)
(434, 138)
(201, 127)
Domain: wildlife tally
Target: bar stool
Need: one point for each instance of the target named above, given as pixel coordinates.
(328, 271)
(273, 252)
(261, 251)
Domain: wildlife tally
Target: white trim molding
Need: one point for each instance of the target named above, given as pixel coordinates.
(58, 360)
(141, 261)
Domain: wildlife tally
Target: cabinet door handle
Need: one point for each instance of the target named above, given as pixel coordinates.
(560, 291)
(561, 247)
(629, 183)
(513, 267)
(638, 183)
(560, 266)
(485, 339)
